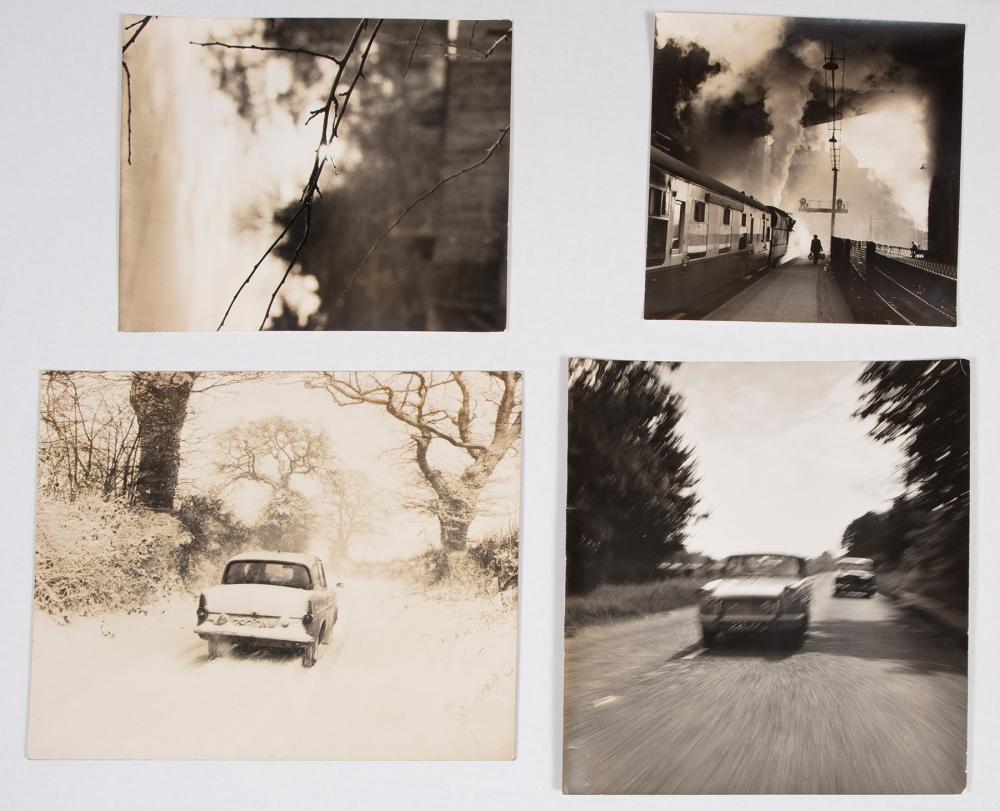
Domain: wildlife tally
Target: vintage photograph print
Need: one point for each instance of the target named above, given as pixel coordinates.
(276, 566)
(767, 578)
(314, 174)
(804, 170)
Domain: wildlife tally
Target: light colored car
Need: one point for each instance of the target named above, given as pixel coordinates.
(855, 575)
(757, 593)
(269, 599)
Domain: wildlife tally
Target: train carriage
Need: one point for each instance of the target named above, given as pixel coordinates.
(703, 237)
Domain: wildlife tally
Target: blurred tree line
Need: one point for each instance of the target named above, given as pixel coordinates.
(924, 405)
(631, 480)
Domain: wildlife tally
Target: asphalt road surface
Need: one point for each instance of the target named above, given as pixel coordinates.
(873, 703)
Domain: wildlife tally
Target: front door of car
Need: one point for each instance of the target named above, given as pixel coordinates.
(323, 597)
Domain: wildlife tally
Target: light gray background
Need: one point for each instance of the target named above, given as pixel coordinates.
(579, 162)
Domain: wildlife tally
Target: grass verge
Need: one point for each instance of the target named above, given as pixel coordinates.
(620, 601)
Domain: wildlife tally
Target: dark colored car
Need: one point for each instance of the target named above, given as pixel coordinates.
(855, 576)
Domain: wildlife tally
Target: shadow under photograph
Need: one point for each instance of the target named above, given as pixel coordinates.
(804, 170)
(767, 578)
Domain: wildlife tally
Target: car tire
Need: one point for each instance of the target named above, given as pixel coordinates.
(309, 654)
(708, 637)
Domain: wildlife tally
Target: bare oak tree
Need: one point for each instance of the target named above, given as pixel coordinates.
(353, 504)
(442, 409)
(272, 451)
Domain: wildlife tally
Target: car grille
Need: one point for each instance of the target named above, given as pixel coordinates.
(751, 605)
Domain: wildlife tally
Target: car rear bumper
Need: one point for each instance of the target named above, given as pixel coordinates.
(755, 623)
(275, 636)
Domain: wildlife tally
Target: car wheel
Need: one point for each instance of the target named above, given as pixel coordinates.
(708, 637)
(309, 654)
(214, 648)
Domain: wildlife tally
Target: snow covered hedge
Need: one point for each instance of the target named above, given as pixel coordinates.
(93, 556)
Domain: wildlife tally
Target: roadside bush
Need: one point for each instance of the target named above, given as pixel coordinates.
(93, 555)
(489, 565)
(611, 602)
(497, 555)
(216, 535)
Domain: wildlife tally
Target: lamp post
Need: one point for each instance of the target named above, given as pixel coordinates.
(833, 70)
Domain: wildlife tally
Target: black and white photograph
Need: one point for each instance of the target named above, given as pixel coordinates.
(767, 578)
(276, 566)
(314, 174)
(804, 170)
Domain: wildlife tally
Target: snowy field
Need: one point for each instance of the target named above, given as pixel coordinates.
(406, 676)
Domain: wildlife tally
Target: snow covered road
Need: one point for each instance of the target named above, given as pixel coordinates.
(406, 676)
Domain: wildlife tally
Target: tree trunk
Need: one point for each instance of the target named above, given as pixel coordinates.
(160, 401)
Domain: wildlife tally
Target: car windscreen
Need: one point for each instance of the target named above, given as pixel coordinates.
(857, 565)
(761, 565)
(268, 572)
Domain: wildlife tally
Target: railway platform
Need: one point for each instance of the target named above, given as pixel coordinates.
(797, 292)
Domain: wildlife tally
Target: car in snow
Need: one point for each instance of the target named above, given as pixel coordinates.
(270, 599)
(854, 576)
(757, 593)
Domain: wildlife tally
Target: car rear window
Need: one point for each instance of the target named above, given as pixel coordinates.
(268, 572)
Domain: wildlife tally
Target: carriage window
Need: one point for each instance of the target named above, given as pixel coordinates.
(768, 237)
(678, 227)
(698, 215)
(657, 225)
(727, 216)
(743, 220)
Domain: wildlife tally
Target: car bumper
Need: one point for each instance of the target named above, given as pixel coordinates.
(754, 623)
(275, 636)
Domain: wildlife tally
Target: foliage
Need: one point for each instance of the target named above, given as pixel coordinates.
(216, 535)
(487, 566)
(286, 524)
(497, 555)
(631, 480)
(924, 405)
(611, 602)
(94, 555)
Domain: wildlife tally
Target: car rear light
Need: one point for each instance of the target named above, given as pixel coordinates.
(307, 619)
(202, 609)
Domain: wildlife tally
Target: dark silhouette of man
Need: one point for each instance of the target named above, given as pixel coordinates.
(815, 249)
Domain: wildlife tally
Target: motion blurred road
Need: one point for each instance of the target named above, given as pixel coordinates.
(873, 703)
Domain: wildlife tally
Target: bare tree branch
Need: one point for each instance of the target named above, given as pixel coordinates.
(333, 112)
(317, 54)
(139, 25)
(413, 48)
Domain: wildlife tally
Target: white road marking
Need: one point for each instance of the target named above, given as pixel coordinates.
(694, 654)
(606, 700)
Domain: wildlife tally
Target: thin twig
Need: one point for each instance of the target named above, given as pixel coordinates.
(139, 25)
(472, 33)
(305, 51)
(495, 45)
(310, 190)
(368, 254)
(142, 24)
(413, 48)
(128, 115)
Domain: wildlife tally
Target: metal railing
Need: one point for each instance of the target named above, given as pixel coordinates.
(890, 287)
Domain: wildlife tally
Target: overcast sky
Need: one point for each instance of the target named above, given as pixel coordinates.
(783, 465)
